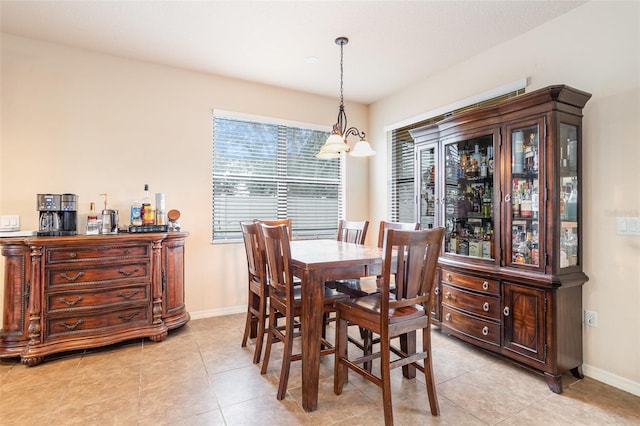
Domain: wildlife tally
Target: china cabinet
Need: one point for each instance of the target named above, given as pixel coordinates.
(505, 182)
(68, 293)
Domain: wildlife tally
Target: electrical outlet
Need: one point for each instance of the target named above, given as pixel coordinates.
(590, 318)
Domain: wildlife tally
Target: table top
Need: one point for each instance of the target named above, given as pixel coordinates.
(324, 253)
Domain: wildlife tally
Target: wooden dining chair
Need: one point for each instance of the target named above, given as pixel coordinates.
(354, 287)
(352, 231)
(412, 256)
(285, 301)
(258, 288)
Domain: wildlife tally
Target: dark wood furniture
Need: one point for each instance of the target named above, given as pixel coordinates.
(505, 181)
(315, 262)
(68, 293)
(400, 226)
(351, 231)
(257, 287)
(285, 302)
(396, 314)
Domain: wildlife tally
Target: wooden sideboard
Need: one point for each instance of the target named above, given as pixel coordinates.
(69, 293)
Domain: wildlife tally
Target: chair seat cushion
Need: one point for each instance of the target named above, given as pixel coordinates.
(371, 303)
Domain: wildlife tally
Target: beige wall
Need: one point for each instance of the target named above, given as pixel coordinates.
(75, 121)
(595, 48)
(79, 122)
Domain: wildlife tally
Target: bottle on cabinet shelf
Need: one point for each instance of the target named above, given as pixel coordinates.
(148, 209)
(136, 213)
(518, 152)
(93, 222)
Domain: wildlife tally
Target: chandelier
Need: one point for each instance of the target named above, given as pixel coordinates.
(337, 140)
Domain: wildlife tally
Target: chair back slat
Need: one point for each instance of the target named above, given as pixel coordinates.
(412, 256)
(352, 231)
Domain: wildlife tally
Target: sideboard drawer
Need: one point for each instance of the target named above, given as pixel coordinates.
(96, 322)
(92, 298)
(467, 325)
(98, 253)
(58, 277)
(475, 303)
(470, 282)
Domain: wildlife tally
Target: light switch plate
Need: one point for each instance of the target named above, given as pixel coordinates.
(628, 226)
(9, 222)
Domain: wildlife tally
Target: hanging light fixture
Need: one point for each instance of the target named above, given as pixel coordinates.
(337, 140)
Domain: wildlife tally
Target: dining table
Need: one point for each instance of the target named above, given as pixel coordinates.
(315, 262)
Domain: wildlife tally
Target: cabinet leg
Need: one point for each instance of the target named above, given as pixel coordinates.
(554, 382)
(31, 361)
(158, 337)
(577, 372)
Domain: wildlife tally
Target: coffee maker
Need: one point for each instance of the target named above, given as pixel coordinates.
(58, 214)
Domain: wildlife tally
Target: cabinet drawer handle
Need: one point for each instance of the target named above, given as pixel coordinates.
(436, 291)
(127, 274)
(449, 277)
(128, 317)
(448, 317)
(485, 307)
(507, 198)
(447, 295)
(71, 279)
(485, 330)
(485, 285)
(68, 303)
(73, 255)
(128, 296)
(506, 311)
(72, 326)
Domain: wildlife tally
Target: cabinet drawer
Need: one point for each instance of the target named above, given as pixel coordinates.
(470, 282)
(104, 253)
(58, 277)
(72, 300)
(95, 323)
(485, 330)
(475, 303)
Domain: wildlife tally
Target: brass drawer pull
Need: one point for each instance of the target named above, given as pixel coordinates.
(449, 277)
(128, 317)
(447, 295)
(71, 279)
(485, 330)
(436, 291)
(68, 303)
(506, 311)
(448, 317)
(72, 327)
(485, 285)
(73, 255)
(128, 274)
(485, 307)
(128, 296)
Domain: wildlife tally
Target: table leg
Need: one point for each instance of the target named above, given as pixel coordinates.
(312, 317)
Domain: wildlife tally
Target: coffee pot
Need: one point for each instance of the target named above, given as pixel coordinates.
(109, 219)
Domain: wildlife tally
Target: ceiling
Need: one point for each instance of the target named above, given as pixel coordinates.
(393, 44)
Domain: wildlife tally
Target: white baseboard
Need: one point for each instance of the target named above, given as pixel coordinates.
(588, 370)
(611, 379)
(218, 312)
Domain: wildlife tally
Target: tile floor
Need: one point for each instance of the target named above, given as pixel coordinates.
(201, 376)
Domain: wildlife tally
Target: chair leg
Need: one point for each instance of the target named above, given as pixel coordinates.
(428, 372)
(385, 375)
(249, 321)
(408, 346)
(367, 343)
(286, 358)
(339, 368)
(260, 335)
(270, 336)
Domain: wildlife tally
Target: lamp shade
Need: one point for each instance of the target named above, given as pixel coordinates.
(362, 149)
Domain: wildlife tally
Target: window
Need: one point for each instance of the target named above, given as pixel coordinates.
(268, 170)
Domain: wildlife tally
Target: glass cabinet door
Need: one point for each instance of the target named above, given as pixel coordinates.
(428, 197)
(468, 197)
(569, 193)
(523, 200)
